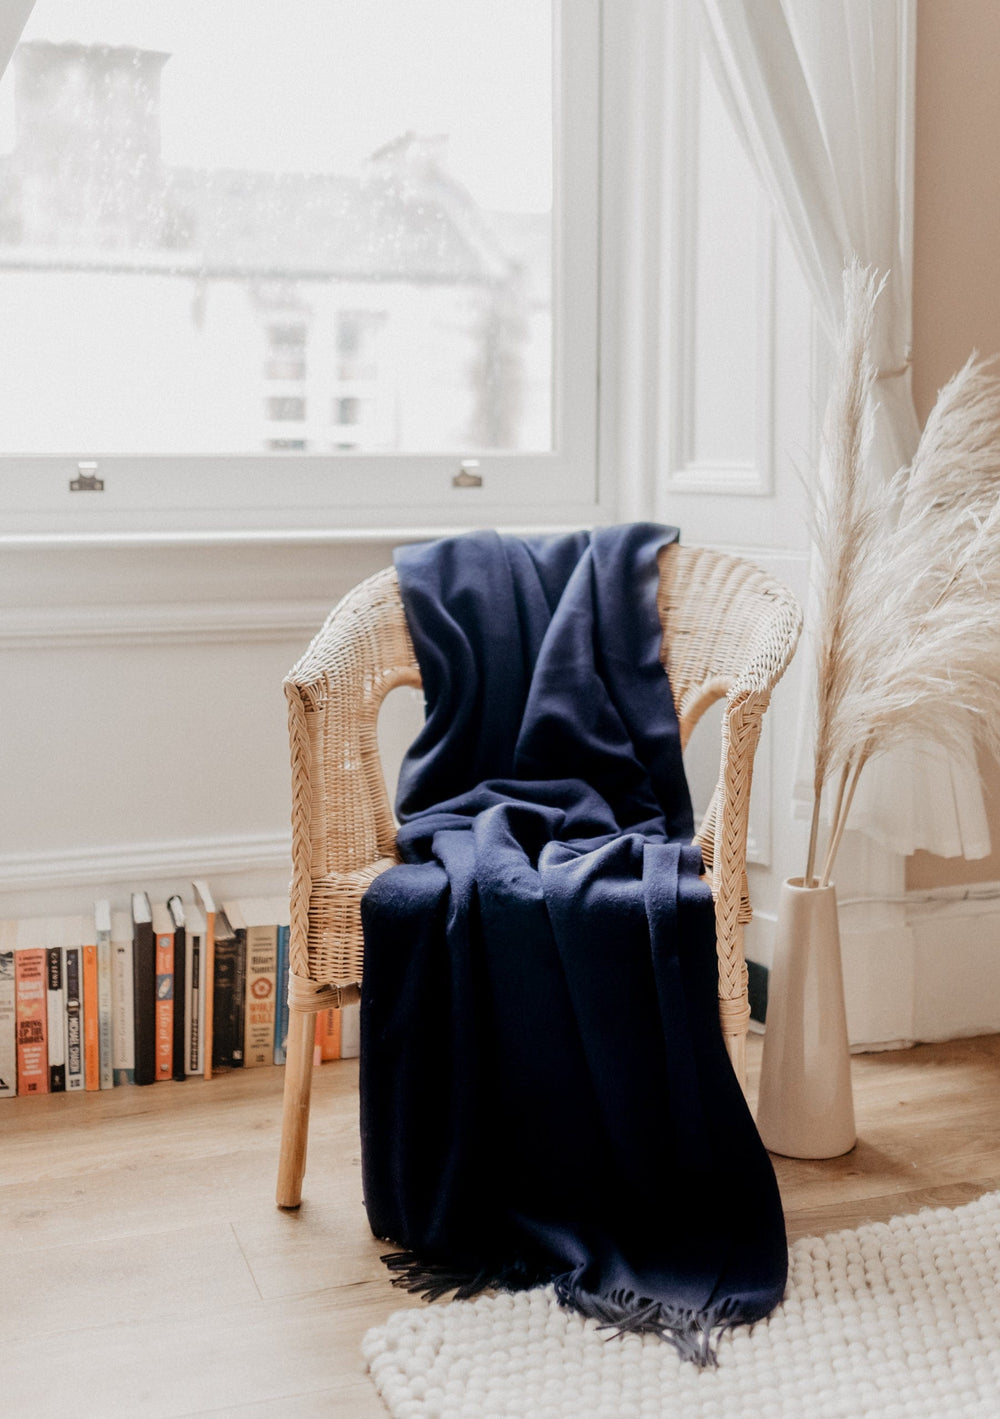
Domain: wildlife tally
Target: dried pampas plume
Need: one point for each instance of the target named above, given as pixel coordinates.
(908, 639)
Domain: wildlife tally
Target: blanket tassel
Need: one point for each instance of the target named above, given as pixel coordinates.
(432, 1279)
(693, 1334)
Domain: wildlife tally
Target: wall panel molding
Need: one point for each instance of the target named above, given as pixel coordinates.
(106, 865)
(684, 467)
(204, 623)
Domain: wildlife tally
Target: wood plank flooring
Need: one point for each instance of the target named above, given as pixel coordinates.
(145, 1272)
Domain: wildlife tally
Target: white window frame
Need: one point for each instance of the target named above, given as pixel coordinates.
(350, 493)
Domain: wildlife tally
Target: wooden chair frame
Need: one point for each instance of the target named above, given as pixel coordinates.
(729, 630)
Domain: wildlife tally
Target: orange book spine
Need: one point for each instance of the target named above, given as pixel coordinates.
(164, 1005)
(328, 1033)
(91, 1020)
(31, 1011)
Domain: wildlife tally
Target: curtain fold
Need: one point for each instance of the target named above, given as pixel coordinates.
(13, 18)
(815, 91)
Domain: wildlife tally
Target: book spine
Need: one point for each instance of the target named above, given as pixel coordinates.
(91, 1021)
(224, 993)
(194, 1003)
(56, 1019)
(328, 1033)
(31, 1007)
(179, 1042)
(208, 1002)
(105, 1028)
(350, 1033)
(73, 975)
(122, 1013)
(261, 974)
(144, 1003)
(8, 1028)
(164, 1004)
(239, 998)
(281, 998)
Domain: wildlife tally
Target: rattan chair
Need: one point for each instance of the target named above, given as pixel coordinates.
(729, 630)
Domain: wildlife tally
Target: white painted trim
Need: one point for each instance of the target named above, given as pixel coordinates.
(907, 143)
(679, 471)
(737, 479)
(127, 862)
(263, 537)
(973, 899)
(206, 623)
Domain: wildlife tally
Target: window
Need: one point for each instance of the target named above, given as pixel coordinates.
(286, 406)
(362, 235)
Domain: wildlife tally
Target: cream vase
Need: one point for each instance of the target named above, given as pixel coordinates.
(805, 1107)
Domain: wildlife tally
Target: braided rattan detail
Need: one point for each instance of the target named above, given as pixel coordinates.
(729, 630)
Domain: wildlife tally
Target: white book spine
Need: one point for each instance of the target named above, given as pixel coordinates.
(350, 1032)
(122, 999)
(55, 1000)
(8, 1038)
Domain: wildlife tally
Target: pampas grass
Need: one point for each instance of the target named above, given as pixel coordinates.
(908, 642)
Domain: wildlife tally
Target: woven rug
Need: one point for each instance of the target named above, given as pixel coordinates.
(897, 1320)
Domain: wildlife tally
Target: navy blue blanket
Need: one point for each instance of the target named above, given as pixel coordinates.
(545, 1093)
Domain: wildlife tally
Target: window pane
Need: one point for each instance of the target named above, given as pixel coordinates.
(319, 226)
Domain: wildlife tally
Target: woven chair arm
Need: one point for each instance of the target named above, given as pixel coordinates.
(760, 616)
(343, 831)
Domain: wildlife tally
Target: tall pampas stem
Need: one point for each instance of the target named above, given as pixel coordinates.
(908, 635)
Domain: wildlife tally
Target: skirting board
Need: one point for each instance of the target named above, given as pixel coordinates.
(935, 977)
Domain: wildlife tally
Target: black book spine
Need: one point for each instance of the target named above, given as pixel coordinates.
(57, 1072)
(144, 1004)
(239, 1001)
(74, 1020)
(180, 1002)
(225, 996)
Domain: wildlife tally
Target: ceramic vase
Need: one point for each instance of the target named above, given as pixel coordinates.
(805, 1107)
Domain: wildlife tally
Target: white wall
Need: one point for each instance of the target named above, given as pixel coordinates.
(143, 720)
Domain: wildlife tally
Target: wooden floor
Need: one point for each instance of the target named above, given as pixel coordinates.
(145, 1272)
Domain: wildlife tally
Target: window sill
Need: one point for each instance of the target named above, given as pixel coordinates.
(275, 537)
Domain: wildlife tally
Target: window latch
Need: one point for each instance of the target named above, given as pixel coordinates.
(468, 475)
(86, 480)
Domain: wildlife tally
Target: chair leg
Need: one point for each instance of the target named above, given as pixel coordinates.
(295, 1110)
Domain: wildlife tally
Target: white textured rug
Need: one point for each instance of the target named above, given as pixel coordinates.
(897, 1320)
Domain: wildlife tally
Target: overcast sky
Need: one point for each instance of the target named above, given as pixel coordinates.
(316, 85)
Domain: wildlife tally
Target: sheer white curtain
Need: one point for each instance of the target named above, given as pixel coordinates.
(13, 17)
(817, 90)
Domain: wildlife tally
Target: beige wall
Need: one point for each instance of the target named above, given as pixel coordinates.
(956, 276)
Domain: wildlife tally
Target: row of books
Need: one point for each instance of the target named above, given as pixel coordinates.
(163, 991)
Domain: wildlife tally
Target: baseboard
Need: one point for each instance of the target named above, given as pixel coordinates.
(933, 974)
(956, 933)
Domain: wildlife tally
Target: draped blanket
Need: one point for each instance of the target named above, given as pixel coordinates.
(545, 1093)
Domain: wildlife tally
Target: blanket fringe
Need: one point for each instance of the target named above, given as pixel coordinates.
(693, 1334)
(433, 1279)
